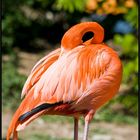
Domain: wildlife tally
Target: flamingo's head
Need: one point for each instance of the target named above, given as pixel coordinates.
(73, 37)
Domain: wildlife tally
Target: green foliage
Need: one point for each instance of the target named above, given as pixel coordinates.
(120, 116)
(108, 115)
(132, 16)
(129, 46)
(71, 5)
(12, 83)
(129, 50)
(13, 19)
(25, 21)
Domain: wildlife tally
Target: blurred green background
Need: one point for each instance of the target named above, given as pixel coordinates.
(32, 28)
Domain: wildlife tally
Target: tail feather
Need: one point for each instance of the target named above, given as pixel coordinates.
(21, 120)
(12, 127)
(24, 107)
(28, 120)
(36, 110)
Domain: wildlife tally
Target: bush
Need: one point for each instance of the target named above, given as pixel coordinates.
(129, 46)
(12, 83)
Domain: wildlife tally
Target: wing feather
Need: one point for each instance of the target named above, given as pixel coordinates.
(39, 69)
(69, 77)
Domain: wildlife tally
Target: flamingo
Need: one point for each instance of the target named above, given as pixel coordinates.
(74, 80)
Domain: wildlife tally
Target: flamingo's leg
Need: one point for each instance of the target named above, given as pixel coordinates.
(76, 128)
(86, 130)
(88, 118)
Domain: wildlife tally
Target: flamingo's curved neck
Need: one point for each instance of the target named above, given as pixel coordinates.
(73, 37)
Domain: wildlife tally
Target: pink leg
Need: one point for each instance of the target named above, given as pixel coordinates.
(75, 128)
(86, 130)
(88, 118)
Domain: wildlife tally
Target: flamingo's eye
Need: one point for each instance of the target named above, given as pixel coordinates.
(87, 36)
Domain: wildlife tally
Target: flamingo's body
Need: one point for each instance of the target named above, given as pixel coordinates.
(73, 80)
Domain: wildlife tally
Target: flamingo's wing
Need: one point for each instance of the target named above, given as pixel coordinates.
(76, 72)
(40, 67)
